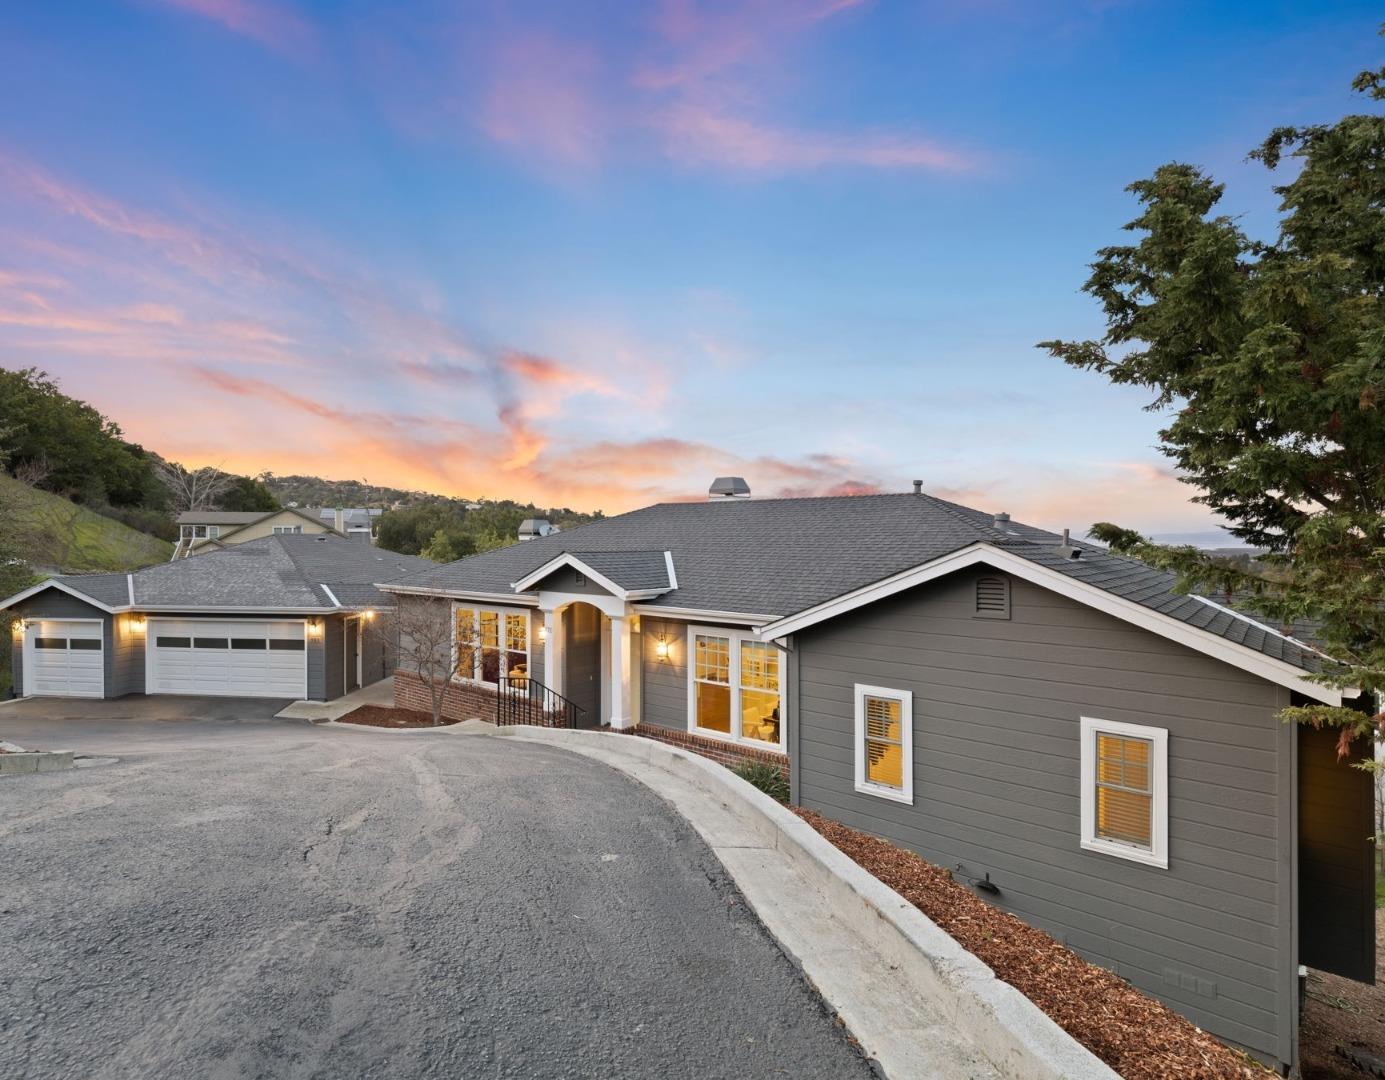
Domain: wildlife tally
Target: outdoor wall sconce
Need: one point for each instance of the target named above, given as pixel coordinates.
(20, 625)
(314, 628)
(368, 614)
(137, 624)
(543, 635)
(661, 649)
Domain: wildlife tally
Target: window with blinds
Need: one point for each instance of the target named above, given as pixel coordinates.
(884, 742)
(1125, 790)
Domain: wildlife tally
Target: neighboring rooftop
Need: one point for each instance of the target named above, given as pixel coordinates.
(285, 572)
(771, 558)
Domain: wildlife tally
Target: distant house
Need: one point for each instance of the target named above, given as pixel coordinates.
(282, 616)
(1040, 715)
(206, 530)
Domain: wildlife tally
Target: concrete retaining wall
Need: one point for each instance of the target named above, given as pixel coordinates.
(1006, 1028)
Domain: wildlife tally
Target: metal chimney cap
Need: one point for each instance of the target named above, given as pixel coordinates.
(729, 487)
(1002, 518)
(918, 487)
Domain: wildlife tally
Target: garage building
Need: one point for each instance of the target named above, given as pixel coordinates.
(286, 616)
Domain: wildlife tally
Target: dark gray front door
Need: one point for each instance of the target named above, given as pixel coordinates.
(582, 682)
(353, 641)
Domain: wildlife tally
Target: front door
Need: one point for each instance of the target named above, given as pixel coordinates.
(353, 654)
(582, 639)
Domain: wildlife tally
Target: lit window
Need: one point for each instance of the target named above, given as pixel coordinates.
(1125, 790)
(736, 688)
(491, 644)
(884, 745)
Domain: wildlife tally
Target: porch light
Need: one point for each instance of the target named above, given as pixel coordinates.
(543, 634)
(369, 614)
(661, 649)
(314, 628)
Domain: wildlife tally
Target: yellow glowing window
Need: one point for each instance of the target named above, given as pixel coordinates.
(1124, 790)
(712, 683)
(759, 681)
(884, 741)
(466, 643)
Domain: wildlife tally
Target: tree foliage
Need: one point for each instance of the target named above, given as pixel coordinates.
(67, 447)
(246, 494)
(446, 530)
(1270, 358)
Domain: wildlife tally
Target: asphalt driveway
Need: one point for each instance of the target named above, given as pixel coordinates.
(245, 897)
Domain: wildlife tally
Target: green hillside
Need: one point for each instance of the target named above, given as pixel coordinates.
(54, 533)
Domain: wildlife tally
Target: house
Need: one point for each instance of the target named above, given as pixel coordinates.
(209, 530)
(1050, 720)
(285, 615)
(206, 530)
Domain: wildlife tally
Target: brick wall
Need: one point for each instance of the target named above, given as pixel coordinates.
(729, 754)
(460, 701)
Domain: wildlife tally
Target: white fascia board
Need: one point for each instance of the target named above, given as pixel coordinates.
(508, 599)
(330, 594)
(672, 576)
(33, 590)
(702, 615)
(130, 588)
(1266, 667)
(231, 609)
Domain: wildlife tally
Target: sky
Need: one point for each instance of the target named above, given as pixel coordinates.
(593, 255)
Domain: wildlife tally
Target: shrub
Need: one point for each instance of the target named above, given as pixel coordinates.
(768, 778)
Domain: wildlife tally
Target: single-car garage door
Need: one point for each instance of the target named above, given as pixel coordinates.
(64, 658)
(227, 657)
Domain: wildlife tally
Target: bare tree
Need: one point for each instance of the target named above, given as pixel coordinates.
(430, 644)
(34, 471)
(192, 489)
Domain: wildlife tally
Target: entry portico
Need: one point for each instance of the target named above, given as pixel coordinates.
(597, 590)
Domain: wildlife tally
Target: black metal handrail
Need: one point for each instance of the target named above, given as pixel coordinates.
(528, 701)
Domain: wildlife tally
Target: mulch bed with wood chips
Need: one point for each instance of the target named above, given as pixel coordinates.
(1137, 1036)
(379, 716)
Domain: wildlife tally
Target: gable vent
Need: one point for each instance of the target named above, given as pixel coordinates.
(992, 598)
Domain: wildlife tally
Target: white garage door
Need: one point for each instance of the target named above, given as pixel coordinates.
(227, 657)
(64, 658)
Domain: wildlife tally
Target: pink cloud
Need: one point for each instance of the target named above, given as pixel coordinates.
(273, 26)
(699, 136)
(543, 97)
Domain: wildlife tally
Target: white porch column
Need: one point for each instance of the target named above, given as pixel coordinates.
(621, 663)
(554, 658)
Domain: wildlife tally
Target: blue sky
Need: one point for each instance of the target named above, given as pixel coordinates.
(594, 255)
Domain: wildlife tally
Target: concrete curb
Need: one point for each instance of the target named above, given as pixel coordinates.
(1016, 1037)
(35, 761)
(456, 727)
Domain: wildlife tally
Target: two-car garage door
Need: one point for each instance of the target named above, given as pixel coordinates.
(227, 657)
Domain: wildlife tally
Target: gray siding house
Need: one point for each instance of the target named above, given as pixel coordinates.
(285, 616)
(1101, 753)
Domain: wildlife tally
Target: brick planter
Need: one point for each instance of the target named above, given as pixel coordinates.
(723, 753)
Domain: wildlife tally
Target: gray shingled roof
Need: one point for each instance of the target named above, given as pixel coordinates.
(286, 571)
(635, 571)
(221, 517)
(778, 557)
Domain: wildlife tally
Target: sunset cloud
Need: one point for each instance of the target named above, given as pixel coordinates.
(274, 26)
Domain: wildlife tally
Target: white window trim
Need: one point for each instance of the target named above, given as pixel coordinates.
(1158, 853)
(500, 613)
(905, 698)
(736, 637)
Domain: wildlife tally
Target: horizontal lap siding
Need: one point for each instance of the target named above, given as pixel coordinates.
(996, 783)
(54, 604)
(664, 693)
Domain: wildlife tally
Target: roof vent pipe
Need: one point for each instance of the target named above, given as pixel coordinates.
(1002, 520)
(918, 487)
(1067, 549)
